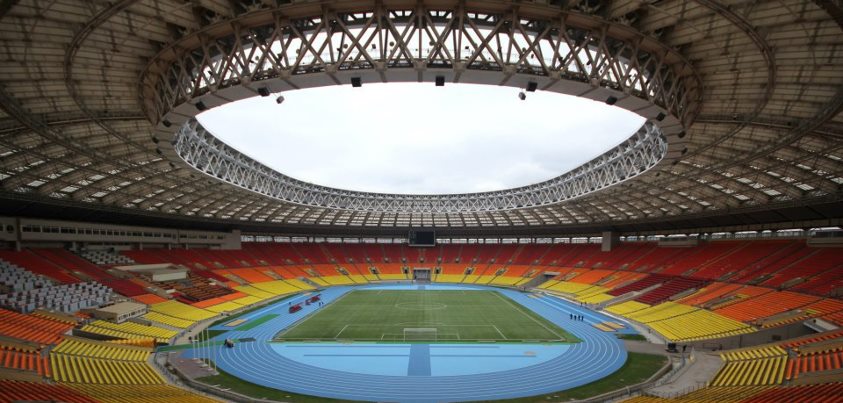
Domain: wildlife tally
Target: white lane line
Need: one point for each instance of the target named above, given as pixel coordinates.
(499, 332)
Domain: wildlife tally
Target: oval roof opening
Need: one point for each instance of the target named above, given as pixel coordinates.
(412, 138)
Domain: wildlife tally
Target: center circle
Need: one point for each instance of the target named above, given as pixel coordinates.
(420, 306)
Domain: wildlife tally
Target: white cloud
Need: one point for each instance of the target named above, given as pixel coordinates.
(418, 138)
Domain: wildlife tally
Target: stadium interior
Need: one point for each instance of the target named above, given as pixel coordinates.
(142, 259)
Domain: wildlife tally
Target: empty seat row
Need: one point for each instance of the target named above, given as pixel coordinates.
(106, 257)
(66, 298)
(77, 369)
(813, 363)
(131, 328)
(168, 320)
(179, 310)
(95, 349)
(699, 325)
(16, 391)
(19, 279)
(663, 311)
(31, 327)
(752, 367)
(24, 360)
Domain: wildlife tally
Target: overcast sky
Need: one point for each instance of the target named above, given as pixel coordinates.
(418, 138)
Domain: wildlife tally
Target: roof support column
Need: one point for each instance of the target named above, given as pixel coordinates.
(610, 240)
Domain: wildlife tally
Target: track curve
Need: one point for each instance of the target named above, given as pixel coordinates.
(599, 355)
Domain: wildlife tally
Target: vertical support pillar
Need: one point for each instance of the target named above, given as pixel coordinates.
(610, 240)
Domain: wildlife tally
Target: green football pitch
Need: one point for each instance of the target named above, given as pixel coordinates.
(407, 316)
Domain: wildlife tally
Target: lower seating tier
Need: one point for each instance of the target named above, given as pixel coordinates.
(140, 394)
(179, 310)
(752, 367)
(15, 391)
(96, 349)
(75, 369)
(699, 325)
(130, 330)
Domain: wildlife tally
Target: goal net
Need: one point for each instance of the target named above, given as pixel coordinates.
(420, 334)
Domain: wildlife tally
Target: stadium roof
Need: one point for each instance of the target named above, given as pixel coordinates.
(744, 102)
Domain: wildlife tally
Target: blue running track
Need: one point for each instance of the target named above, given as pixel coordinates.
(599, 355)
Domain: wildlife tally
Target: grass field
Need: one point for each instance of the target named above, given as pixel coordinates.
(456, 316)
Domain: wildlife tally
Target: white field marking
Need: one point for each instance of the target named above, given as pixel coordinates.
(499, 332)
(405, 324)
(434, 306)
(531, 318)
(341, 330)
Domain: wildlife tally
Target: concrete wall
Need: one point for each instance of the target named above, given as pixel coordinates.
(8, 229)
(53, 233)
(763, 336)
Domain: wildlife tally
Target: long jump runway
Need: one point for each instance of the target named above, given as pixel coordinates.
(420, 372)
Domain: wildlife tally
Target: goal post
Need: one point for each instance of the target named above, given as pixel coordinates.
(420, 333)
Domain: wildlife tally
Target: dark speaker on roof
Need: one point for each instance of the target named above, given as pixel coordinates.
(263, 91)
(660, 116)
(166, 123)
(356, 82)
(681, 135)
(611, 100)
(201, 106)
(532, 86)
(440, 81)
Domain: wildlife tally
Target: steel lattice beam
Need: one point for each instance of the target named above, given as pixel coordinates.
(206, 153)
